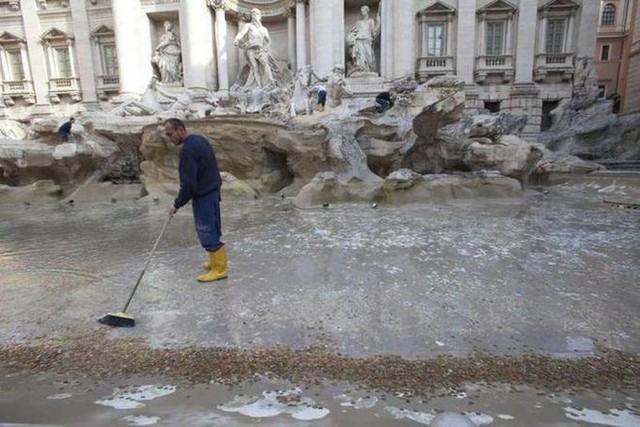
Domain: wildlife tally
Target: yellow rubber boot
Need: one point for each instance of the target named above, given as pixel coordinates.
(218, 263)
(207, 264)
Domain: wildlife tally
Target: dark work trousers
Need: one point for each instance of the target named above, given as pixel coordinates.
(206, 213)
(322, 97)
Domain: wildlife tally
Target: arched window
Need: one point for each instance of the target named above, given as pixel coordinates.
(608, 15)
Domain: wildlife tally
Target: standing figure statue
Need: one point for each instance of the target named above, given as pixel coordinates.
(167, 57)
(360, 38)
(254, 39)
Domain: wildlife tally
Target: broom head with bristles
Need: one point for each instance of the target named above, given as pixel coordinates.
(118, 320)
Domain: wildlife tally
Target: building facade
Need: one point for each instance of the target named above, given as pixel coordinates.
(61, 56)
(631, 102)
(614, 26)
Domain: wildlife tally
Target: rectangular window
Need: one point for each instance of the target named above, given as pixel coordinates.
(63, 62)
(602, 91)
(492, 106)
(435, 40)
(495, 38)
(555, 36)
(604, 53)
(16, 70)
(109, 60)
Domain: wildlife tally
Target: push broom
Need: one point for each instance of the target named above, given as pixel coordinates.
(121, 319)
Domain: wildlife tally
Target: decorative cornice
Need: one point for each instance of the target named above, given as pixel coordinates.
(218, 4)
(241, 8)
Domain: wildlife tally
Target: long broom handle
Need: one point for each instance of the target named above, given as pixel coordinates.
(146, 264)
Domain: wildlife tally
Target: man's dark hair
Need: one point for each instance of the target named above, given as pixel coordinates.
(72, 119)
(175, 123)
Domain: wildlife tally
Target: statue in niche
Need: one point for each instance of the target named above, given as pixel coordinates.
(254, 39)
(360, 39)
(167, 59)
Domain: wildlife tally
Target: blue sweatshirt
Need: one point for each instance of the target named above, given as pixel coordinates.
(199, 173)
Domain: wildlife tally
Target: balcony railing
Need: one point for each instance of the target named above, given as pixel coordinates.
(499, 62)
(563, 63)
(20, 87)
(108, 82)
(434, 65)
(611, 29)
(64, 85)
(555, 60)
(495, 65)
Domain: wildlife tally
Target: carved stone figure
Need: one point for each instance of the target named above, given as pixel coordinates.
(254, 39)
(167, 57)
(360, 39)
(146, 106)
(301, 91)
(337, 86)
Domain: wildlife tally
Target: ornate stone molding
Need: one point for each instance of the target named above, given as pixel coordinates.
(241, 8)
(218, 4)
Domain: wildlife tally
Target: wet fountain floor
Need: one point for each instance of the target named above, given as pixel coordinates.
(556, 273)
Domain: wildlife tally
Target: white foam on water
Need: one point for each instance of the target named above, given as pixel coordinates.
(366, 402)
(274, 403)
(60, 396)
(309, 414)
(505, 417)
(479, 419)
(419, 417)
(555, 398)
(130, 398)
(141, 420)
(615, 418)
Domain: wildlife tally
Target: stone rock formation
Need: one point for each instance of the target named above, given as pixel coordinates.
(423, 148)
(585, 126)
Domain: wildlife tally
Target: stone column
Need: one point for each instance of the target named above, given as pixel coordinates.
(221, 46)
(404, 47)
(325, 22)
(525, 100)
(508, 45)
(24, 56)
(588, 28)
(448, 48)
(465, 56)
(36, 60)
(301, 33)
(130, 45)
(386, 38)
(86, 70)
(569, 42)
(196, 35)
(291, 39)
(542, 46)
(72, 60)
(4, 65)
(527, 23)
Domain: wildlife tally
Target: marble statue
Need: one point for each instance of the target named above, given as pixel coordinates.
(167, 57)
(147, 105)
(254, 39)
(360, 38)
(338, 87)
(300, 102)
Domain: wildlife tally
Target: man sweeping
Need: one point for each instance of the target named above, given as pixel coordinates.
(200, 183)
